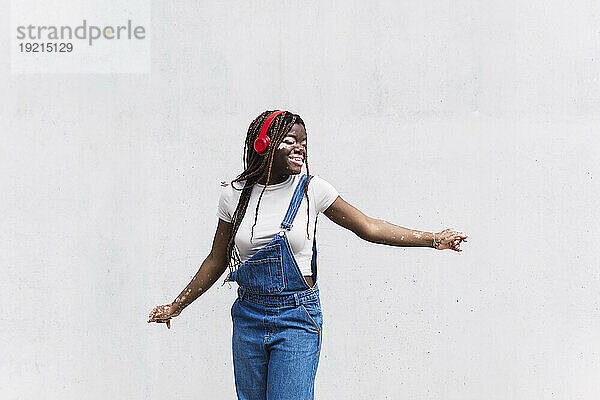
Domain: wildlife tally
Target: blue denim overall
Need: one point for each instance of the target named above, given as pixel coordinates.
(277, 320)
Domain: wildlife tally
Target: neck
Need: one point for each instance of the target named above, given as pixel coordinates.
(274, 179)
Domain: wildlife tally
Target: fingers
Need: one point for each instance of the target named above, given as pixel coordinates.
(157, 318)
(460, 236)
(456, 240)
(455, 246)
(451, 239)
(161, 321)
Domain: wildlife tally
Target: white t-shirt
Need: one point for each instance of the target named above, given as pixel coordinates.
(273, 207)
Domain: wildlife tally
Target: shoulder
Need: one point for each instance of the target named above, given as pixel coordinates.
(317, 183)
(323, 192)
(230, 190)
(228, 199)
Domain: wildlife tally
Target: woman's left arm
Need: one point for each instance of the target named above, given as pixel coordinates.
(380, 231)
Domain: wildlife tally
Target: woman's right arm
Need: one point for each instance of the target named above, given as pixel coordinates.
(211, 269)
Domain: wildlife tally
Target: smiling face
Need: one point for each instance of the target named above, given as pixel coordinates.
(290, 155)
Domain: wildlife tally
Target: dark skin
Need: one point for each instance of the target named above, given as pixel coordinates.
(292, 146)
(288, 160)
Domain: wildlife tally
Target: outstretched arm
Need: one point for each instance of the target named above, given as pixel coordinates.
(211, 269)
(380, 231)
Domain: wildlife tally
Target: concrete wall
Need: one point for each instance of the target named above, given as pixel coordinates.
(479, 116)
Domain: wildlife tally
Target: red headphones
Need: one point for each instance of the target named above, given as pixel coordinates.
(262, 141)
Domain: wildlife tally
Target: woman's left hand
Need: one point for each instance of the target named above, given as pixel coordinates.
(450, 239)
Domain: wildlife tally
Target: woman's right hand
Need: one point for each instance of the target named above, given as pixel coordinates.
(163, 314)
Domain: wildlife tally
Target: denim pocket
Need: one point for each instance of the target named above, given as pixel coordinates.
(312, 310)
(262, 275)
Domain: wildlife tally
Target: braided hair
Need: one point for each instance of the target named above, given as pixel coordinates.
(257, 167)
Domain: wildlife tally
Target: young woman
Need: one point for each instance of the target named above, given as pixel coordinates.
(271, 253)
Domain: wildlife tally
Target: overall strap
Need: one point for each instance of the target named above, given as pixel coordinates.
(313, 260)
(295, 203)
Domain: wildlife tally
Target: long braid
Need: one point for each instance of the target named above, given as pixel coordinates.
(257, 167)
(262, 191)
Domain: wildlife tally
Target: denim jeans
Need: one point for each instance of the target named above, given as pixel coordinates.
(276, 347)
(277, 321)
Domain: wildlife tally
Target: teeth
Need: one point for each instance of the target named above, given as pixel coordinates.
(297, 160)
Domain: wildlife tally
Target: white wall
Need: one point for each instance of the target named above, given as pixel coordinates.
(479, 116)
